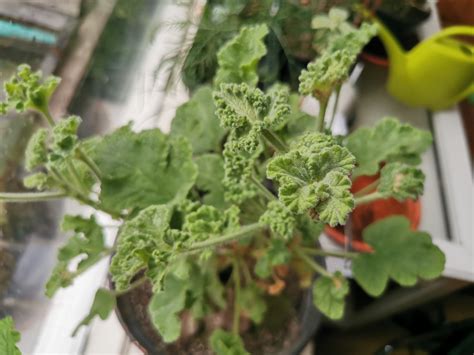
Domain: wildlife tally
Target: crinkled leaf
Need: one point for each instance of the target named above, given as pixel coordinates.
(9, 337)
(142, 169)
(351, 39)
(225, 343)
(36, 153)
(39, 181)
(28, 90)
(314, 175)
(165, 306)
(87, 243)
(401, 181)
(400, 254)
(196, 120)
(209, 180)
(252, 302)
(276, 254)
(387, 141)
(65, 134)
(238, 59)
(280, 219)
(329, 294)
(103, 305)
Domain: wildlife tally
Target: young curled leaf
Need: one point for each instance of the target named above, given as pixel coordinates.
(36, 153)
(65, 134)
(225, 343)
(238, 58)
(280, 219)
(38, 181)
(401, 181)
(399, 253)
(314, 176)
(329, 294)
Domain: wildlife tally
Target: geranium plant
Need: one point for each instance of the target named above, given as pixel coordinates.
(244, 182)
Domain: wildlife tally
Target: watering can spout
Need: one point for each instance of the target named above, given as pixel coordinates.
(395, 52)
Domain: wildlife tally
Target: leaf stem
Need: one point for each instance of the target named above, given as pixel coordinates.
(265, 192)
(243, 231)
(22, 197)
(337, 254)
(131, 287)
(310, 262)
(275, 141)
(367, 189)
(334, 109)
(236, 277)
(89, 162)
(47, 115)
(323, 104)
(368, 198)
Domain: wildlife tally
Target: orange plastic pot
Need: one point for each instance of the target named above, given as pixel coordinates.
(366, 214)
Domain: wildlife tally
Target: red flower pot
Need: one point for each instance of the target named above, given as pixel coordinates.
(368, 213)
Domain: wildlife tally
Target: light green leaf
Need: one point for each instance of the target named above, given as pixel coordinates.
(103, 305)
(36, 153)
(87, 243)
(387, 141)
(252, 302)
(238, 58)
(142, 169)
(401, 181)
(338, 15)
(225, 343)
(320, 21)
(65, 134)
(165, 306)
(314, 175)
(280, 219)
(196, 120)
(399, 254)
(329, 294)
(209, 180)
(8, 337)
(39, 181)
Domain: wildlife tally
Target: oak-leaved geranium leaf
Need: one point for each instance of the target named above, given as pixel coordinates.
(196, 120)
(387, 141)
(226, 343)
(401, 181)
(280, 219)
(314, 176)
(238, 59)
(103, 305)
(165, 306)
(9, 337)
(143, 169)
(87, 243)
(329, 294)
(400, 254)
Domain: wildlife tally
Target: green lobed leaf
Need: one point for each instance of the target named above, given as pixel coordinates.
(36, 153)
(252, 302)
(196, 120)
(225, 343)
(28, 90)
(103, 305)
(209, 180)
(329, 294)
(387, 141)
(238, 59)
(280, 219)
(165, 306)
(9, 337)
(276, 254)
(353, 40)
(143, 169)
(401, 181)
(400, 254)
(86, 243)
(314, 175)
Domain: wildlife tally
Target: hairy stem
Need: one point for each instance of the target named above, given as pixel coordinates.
(323, 104)
(275, 141)
(310, 262)
(236, 277)
(337, 254)
(46, 115)
(22, 197)
(334, 109)
(89, 162)
(265, 192)
(242, 232)
(131, 287)
(367, 189)
(368, 198)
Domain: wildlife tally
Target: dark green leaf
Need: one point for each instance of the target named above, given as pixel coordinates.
(329, 294)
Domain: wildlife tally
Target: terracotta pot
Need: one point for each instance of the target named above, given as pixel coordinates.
(366, 214)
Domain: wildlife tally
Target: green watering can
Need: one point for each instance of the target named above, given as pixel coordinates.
(435, 74)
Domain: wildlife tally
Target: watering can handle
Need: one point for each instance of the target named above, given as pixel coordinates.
(454, 31)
